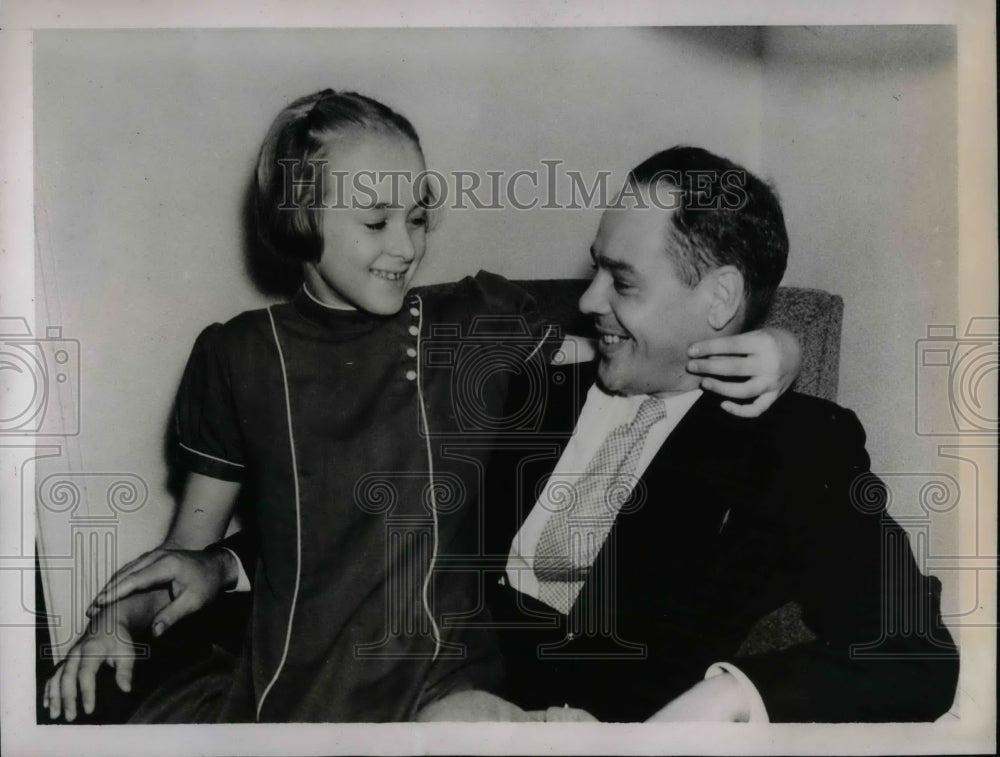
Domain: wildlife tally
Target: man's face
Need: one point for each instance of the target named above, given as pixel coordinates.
(645, 315)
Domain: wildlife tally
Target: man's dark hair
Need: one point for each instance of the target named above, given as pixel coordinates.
(723, 215)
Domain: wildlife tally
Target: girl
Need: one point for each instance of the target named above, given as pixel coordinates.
(352, 438)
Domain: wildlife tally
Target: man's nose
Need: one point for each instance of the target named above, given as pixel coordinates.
(594, 301)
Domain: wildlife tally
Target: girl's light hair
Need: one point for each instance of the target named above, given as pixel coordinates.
(287, 200)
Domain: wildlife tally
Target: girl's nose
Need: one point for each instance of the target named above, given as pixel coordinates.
(401, 246)
(594, 301)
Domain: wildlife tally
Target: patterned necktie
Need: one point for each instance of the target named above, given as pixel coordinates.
(572, 537)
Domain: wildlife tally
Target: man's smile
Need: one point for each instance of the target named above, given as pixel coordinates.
(611, 340)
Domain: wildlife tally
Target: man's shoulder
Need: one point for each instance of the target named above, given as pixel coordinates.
(797, 408)
(804, 426)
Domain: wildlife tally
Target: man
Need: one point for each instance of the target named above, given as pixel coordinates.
(622, 596)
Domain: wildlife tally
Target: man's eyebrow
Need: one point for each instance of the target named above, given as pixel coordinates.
(615, 266)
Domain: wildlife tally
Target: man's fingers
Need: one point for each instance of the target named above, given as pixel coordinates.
(113, 587)
(67, 685)
(179, 608)
(156, 574)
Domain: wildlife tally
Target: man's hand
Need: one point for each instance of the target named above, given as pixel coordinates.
(193, 577)
(719, 699)
(106, 641)
(473, 706)
(768, 360)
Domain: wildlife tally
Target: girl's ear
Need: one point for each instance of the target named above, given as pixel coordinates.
(726, 291)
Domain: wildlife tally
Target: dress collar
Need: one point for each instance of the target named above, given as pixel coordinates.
(325, 315)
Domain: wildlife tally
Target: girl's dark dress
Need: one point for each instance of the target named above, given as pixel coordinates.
(360, 645)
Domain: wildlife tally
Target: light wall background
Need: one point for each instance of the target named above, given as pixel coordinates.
(145, 141)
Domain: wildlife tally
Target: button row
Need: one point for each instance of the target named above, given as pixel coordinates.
(411, 375)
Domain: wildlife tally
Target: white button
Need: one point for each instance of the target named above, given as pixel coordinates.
(414, 312)
(570, 636)
(558, 357)
(413, 331)
(411, 375)
(410, 352)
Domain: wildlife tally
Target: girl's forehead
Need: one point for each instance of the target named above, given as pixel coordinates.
(365, 150)
(374, 169)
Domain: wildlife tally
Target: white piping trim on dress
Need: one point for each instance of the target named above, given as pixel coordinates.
(538, 346)
(430, 472)
(210, 457)
(298, 521)
(318, 301)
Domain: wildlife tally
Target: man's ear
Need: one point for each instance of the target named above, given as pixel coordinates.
(726, 290)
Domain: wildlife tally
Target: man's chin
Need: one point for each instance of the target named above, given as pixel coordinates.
(608, 380)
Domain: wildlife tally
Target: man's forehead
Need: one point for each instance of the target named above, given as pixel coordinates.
(622, 229)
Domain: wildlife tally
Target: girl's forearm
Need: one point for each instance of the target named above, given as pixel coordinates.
(204, 512)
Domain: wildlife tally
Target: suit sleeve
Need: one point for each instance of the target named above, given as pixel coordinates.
(245, 544)
(882, 652)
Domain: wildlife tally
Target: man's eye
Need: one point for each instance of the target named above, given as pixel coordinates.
(419, 221)
(377, 226)
(622, 287)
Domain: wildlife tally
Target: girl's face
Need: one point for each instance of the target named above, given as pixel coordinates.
(374, 226)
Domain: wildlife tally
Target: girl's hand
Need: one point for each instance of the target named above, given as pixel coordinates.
(106, 642)
(193, 577)
(768, 360)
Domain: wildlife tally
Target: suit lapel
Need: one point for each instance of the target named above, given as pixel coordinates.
(710, 464)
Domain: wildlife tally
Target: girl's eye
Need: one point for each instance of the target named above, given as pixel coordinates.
(377, 226)
(419, 220)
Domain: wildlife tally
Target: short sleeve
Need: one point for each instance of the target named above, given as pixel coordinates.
(205, 416)
(502, 300)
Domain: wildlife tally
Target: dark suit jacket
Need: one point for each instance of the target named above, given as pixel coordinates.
(732, 519)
